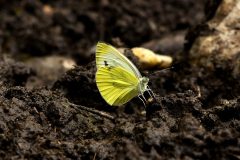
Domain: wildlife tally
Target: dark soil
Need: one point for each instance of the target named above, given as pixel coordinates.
(196, 114)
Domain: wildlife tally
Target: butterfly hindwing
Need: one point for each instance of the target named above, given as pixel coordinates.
(116, 85)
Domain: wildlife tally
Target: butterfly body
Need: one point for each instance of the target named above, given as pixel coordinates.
(117, 78)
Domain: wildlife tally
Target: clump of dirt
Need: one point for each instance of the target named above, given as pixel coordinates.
(196, 114)
(14, 73)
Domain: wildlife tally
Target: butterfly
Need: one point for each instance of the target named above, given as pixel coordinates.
(118, 80)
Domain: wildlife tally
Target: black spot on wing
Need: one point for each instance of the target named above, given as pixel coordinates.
(105, 63)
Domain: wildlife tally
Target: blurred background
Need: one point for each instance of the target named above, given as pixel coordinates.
(32, 28)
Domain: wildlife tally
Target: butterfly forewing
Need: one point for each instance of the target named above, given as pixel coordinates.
(116, 85)
(107, 56)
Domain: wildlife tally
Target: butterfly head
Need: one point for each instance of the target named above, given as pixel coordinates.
(143, 84)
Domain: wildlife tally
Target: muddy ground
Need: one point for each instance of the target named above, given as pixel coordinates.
(197, 112)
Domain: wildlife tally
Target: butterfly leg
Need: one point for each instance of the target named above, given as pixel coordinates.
(150, 91)
(142, 100)
(143, 97)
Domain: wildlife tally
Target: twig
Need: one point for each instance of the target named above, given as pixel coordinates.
(94, 157)
(91, 110)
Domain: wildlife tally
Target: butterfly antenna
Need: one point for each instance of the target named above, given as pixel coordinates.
(164, 69)
(142, 101)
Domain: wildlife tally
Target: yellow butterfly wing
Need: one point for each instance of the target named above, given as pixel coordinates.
(107, 55)
(116, 85)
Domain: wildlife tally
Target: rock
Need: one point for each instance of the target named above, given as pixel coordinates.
(221, 45)
(149, 59)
